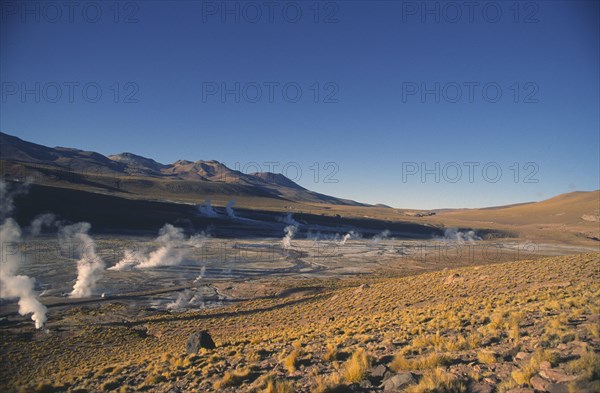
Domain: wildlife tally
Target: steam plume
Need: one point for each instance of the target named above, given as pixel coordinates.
(380, 236)
(7, 194)
(179, 303)
(186, 299)
(289, 219)
(130, 260)
(18, 286)
(46, 219)
(206, 209)
(290, 231)
(229, 209)
(174, 247)
(453, 234)
(348, 236)
(11, 284)
(90, 266)
(202, 273)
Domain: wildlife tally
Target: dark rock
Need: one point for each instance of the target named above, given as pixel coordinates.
(511, 353)
(479, 387)
(398, 381)
(556, 375)
(539, 383)
(568, 338)
(379, 371)
(366, 384)
(545, 365)
(521, 356)
(199, 340)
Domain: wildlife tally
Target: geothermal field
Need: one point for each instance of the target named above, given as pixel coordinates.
(297, 307)
(175, 271)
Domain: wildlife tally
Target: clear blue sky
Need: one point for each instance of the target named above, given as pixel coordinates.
(368, 57)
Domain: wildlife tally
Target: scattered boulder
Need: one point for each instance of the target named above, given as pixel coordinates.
(479, 387)
(199, 340)
(556, 375)
(521, 356)
(539, 383)
(398, 381)
(381, 373)
(511, 353)
(562, 388)
(545, 365)
(366, 384)
(568, 338)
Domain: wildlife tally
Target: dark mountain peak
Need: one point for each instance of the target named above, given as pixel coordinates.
(16, 149)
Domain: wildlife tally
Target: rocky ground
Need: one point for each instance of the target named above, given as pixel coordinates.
(524, 326)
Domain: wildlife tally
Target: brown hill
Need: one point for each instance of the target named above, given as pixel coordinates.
(573, 208)
(554, 219)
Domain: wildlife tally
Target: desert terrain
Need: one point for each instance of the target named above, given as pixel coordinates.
(177, 278)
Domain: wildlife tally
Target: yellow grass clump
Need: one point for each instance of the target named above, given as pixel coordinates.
(356, 367)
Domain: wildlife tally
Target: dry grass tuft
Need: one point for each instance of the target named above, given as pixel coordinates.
(328, 384)
(487, 357)
(356, 367)
(232, 378)
(438, 381)
(587, 366)
(424, 362)
(290, 361)
(279, 387)
(522, 375)
(332, 353)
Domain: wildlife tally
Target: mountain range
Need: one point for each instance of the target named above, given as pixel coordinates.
(136, 176)
(90, 179)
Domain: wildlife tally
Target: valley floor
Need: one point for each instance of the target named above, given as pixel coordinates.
(521, 325)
